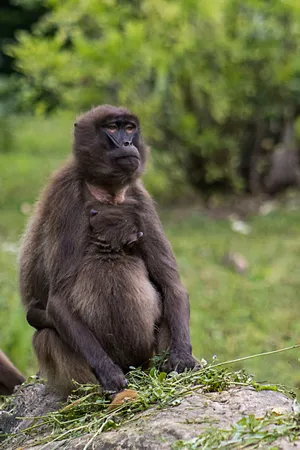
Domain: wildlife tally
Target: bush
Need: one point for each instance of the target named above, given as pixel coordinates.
(213, 82)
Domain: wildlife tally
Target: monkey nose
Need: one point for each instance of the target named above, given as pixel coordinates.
(126, 143)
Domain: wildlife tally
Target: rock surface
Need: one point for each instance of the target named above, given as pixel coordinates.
(153, 429)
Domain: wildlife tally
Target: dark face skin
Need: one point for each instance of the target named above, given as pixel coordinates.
(122, 133)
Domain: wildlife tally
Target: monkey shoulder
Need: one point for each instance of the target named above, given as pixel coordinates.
(143, 201)
(60, 211)
(65, 185)
(61, 204)
(139, 192)
(146, 207)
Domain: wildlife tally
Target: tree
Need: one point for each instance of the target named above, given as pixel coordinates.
(212, 81)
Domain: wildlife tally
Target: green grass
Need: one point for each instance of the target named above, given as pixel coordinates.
(87, 411)
(249, 432)
(231, 315)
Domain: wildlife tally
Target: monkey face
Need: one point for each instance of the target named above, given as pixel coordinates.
(122, 133)
(108, 146)
(112, 229)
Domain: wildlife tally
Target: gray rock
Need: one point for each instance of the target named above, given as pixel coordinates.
(154, 429)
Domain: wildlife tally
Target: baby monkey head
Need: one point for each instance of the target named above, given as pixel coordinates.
(108, 146)
(112, 229)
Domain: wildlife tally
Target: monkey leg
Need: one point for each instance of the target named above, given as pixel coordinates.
(163, 337)
(59, 364)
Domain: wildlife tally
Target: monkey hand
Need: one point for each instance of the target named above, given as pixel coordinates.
(179, 361)
(111, 379)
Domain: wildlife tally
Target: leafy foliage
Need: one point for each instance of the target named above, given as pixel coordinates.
(249, 432)
(207, 78)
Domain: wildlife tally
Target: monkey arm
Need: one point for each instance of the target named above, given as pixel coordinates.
(163, 272)
(32, 281)
(80, 338)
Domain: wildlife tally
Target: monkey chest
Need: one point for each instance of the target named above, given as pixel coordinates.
(117, 296)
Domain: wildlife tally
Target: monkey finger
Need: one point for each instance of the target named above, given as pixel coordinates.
(179, 363)
(112, 381)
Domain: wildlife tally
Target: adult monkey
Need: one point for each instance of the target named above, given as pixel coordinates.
(108, 158)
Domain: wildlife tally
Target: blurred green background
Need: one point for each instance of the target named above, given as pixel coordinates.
(217, 88)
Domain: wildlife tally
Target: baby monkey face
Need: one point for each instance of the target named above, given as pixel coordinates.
(114, 227)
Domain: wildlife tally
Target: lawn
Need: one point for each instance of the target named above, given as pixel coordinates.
(234, 315)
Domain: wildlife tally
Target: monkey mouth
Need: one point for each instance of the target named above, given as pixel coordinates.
(128, 162)
(128, 155)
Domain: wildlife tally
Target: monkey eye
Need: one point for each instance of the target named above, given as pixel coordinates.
(93, 212)
(111, 127)
(129, 128)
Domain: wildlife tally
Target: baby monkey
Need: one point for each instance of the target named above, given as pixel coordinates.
(112, 234)
(120, 303)
(112, 293)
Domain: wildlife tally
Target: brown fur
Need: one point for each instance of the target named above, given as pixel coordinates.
(9, 375)
(103, 310)
(113, 271)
